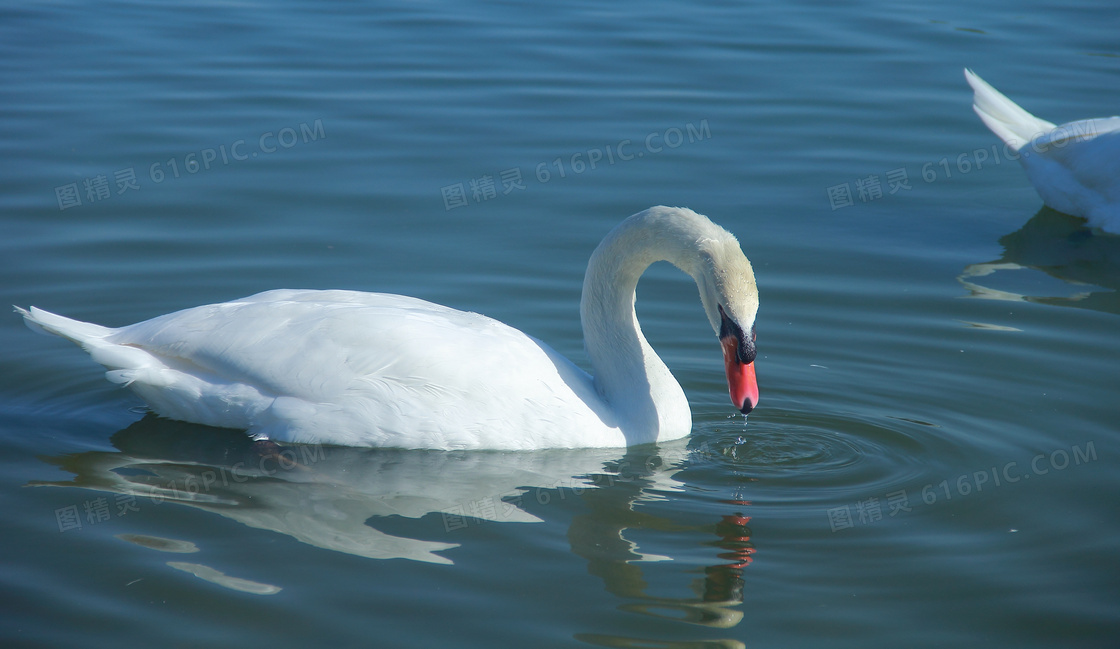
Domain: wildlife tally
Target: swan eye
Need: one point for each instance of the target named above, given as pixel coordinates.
(727, 326)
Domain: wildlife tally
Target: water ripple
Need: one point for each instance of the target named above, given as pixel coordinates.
(807, 457)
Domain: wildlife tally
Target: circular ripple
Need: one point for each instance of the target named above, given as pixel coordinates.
(799, 456)
(779, 450)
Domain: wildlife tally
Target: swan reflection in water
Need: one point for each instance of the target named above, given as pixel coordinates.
(1061, 246)
(331, 497)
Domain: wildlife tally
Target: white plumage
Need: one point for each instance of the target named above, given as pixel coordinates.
(1074, 167)
(342, 367)
(371, 369)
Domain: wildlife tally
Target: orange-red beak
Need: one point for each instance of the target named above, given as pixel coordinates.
(741, 382)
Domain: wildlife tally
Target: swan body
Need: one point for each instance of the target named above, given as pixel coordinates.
(371, 369)
(1074, 167)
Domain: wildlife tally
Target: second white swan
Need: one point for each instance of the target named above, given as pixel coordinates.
(370, 369)
(1074, 167)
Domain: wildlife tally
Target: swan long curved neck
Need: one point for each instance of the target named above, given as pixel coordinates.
(628, 373)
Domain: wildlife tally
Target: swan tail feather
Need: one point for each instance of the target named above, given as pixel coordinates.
(92, 338)
(1015, 126)
(171, 389)
(75, 331)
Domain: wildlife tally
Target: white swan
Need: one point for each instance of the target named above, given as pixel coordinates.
(370, 369)
(1074, 167)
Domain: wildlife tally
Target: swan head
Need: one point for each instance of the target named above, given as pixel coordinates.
(730, 298)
